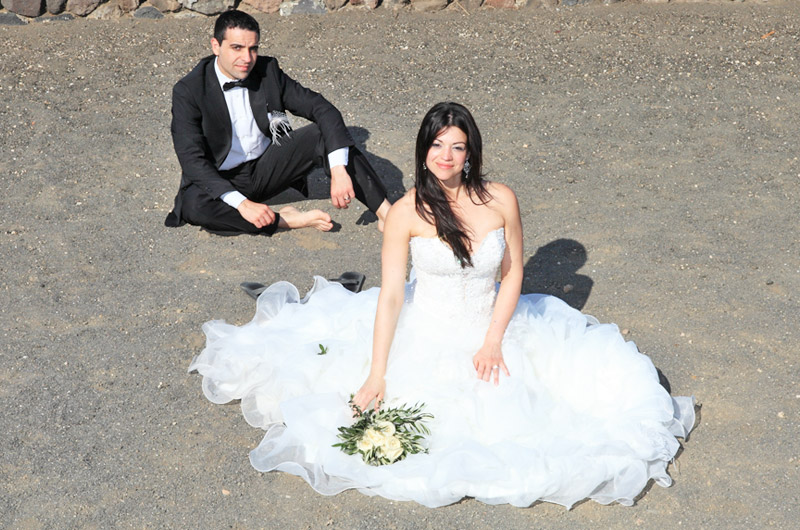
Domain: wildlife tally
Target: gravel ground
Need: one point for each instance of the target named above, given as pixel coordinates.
(654, 152)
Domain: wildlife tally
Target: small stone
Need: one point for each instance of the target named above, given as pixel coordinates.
(26, 8)
(625, 331)
(781, 415)
(569, 3)
(148, 12)
(568, 288)
(570, 180)
(333, 5)
(166, 6)
(107, 11)
(428, 6)
(84, 7)
(500, 4)
(10, 19)
(208, 7)
(225, 492)
(128, 5)
(770, 282)
(264, 6)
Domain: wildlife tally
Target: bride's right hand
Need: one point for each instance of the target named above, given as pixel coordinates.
(373, 388)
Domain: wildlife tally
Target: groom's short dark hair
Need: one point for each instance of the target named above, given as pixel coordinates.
(234, 19)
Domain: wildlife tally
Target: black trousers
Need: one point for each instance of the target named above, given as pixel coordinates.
(279, 168)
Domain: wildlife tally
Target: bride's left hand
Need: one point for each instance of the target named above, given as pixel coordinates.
(488, 362)
(373, 389)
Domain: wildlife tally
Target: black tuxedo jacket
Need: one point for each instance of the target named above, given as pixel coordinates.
(201, 125)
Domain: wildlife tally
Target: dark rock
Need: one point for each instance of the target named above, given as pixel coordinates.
(208, 7)
(82, 7)
(264, 6)
(55, 18)
(26, 8)
(55, 7)
(148, 12)
(10, 19)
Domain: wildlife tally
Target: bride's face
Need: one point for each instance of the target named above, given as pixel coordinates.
(447, 154)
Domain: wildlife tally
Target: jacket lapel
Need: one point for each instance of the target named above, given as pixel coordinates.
(258, 101)
(217, 110)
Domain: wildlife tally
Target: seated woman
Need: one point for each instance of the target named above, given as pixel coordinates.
(531, 399)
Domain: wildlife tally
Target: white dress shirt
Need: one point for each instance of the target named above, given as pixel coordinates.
(248, 142)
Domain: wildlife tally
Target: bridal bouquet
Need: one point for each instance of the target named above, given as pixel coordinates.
(385, 436)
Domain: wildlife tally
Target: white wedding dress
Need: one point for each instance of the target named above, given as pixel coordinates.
(582, 415)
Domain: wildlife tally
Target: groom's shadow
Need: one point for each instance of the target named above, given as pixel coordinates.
(553, 270)
(319, 187)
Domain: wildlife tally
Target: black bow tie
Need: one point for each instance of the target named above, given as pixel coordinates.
(233, 84)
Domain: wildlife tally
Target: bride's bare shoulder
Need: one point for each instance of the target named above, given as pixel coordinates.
(405, 204)
(500, 192)
(403, 213)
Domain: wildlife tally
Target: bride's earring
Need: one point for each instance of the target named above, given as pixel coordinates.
(467, 167)
(424, 166)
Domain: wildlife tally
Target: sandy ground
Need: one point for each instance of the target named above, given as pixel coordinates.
(654, 150)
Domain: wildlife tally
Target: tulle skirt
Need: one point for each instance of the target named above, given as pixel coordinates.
(581, 416)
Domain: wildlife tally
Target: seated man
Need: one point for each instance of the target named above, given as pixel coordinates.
(236, 147)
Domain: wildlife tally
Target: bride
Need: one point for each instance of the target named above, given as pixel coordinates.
(531, 400)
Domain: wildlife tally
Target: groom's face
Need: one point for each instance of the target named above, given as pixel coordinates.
(237, 53)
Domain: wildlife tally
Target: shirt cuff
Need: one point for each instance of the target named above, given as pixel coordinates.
(233, 198)
(340, 157)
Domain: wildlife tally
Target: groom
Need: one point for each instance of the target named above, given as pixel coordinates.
(237, 149)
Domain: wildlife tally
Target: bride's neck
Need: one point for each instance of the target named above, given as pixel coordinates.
(453, 191)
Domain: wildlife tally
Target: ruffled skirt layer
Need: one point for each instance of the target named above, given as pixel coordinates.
(582, 416)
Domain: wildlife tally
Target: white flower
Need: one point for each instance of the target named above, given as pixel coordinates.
(386, 427)
(392, 449)
(364, 445)
(374, 437)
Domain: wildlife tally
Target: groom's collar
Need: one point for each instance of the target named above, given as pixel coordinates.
(222, 78)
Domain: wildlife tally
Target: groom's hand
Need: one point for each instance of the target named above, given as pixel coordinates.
(341, 187)
(256, 213)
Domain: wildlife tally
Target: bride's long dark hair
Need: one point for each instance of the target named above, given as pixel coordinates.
(430, 200)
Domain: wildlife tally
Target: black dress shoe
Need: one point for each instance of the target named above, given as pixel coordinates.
(352, 281)
(253, 289)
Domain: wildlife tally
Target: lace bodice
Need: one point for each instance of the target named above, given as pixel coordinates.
(445, 290)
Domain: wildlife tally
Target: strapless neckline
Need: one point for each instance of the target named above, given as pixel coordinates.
(500, 230)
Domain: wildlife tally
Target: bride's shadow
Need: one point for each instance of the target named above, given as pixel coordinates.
(319, 187)
(553, 270)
